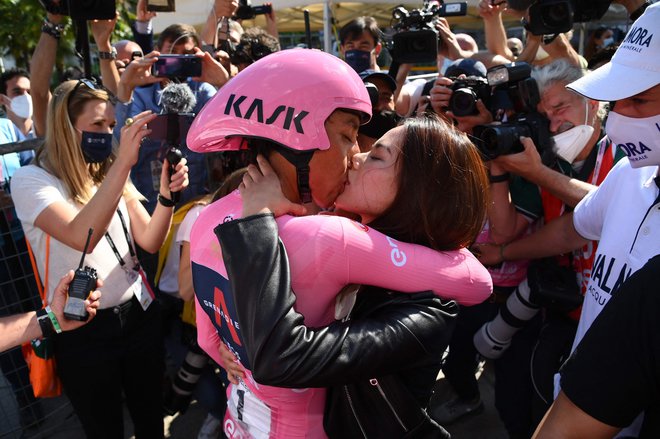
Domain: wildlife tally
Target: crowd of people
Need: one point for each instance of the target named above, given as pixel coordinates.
(303, 242)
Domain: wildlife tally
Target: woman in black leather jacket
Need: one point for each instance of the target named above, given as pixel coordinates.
(380, 361)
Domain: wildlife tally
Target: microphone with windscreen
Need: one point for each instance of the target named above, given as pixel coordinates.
(177, 101)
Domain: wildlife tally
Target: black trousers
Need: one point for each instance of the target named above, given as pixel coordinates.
(120, 351)
(513, 384)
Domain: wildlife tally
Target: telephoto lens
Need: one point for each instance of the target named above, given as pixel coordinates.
(494, 337)
(177, 396)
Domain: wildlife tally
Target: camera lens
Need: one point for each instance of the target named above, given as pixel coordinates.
(501, 140)
(463, 102)
(244, 12)
(556, 15)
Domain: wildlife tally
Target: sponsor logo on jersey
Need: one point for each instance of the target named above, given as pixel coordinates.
(254, 110)
(398, 257)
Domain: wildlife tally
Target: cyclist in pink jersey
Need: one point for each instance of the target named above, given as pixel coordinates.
(326, 255)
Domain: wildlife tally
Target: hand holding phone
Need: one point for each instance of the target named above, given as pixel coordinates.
(177, 66)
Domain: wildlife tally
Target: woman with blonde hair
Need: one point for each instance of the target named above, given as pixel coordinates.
(77, 184)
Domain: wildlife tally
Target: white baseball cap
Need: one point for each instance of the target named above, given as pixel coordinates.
(635, 66)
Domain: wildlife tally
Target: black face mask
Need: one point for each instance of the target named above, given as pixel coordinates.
(96, 147)
(360, 60)
(380, 123)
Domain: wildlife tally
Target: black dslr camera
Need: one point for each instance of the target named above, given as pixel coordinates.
(246, 11)
(558, 16)
(514, 82)
(82, 9)
(465, 94)
(416, 38)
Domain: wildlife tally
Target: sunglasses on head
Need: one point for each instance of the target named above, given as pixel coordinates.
(92, 85)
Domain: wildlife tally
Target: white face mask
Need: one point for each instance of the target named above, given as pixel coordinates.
(570, 143)
(21, 106)
(639, 138)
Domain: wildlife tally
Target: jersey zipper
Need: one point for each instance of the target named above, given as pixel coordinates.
(350, 403)
(374, 382)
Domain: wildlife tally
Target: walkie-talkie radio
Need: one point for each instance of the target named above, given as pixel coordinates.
(83, 283)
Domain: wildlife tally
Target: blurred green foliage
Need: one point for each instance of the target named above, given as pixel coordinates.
(20, 28)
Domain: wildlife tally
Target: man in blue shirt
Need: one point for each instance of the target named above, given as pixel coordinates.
(138, 91)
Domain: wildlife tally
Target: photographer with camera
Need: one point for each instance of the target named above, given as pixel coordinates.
(622, 212)
(459, 95)
(382, 89)
(582, 162)
(511, 213)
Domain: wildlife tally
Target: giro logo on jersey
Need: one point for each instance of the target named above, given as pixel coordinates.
(635, 151)
(255, 111)
(398, 257)
(638, 36)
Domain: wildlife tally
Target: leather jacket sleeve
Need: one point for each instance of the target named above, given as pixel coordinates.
(397, 334)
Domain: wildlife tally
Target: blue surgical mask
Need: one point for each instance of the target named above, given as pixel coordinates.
(96, 147)
(360, 60)
(607, 42)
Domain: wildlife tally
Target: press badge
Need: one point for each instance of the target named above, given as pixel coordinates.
(142, 293)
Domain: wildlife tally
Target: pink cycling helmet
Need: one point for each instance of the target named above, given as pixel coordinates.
(284, 97)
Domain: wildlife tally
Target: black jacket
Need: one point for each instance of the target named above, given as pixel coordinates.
(397, 341)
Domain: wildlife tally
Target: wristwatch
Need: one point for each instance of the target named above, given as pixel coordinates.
(45, 324)
(52, 29)
(108, 55)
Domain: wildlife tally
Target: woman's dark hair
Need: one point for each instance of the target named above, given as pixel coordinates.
(443, 188)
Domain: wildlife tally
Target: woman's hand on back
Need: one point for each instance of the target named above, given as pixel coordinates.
(131, 137)
(262, 192)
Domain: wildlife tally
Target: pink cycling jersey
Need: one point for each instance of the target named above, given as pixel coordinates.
(325, 254)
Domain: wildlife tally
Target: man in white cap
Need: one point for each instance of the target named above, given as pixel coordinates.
(624, 214)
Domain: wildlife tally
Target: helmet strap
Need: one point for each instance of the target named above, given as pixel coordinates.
(301, 161)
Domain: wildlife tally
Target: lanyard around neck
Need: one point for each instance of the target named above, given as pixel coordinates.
(136, 264)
